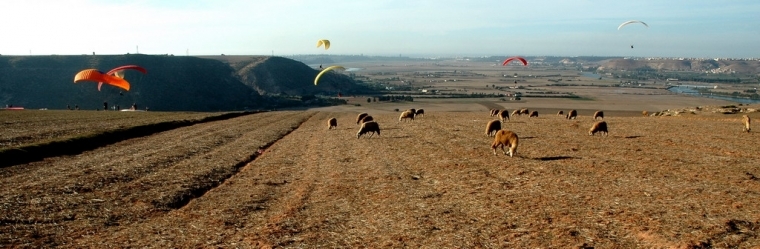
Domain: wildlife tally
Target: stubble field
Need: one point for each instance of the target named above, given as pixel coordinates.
(282, 179)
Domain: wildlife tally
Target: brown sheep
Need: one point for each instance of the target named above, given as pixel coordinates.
(746, 120)
(600, 126)
(504, 115)
(560, 113)
(406, 115)
(515, 113)
(492, 127)
(644, 113)
(505, 138)
(572, 114)
(360, 117)
(524, 111)
(369, 127)
(494, 112)
(332, 123)
(533, 114)
(413, 111)
(599, 114)
(420, 112)
(367, 119)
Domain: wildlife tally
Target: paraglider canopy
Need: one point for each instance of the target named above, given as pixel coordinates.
(631, 21)
(98, 76)
(330, 68)
(119, 72)
(323, 42)
(510, 59)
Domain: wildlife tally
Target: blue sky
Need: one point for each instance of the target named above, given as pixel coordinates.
(693, 28)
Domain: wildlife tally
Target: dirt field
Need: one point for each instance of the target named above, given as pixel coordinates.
(282, 179)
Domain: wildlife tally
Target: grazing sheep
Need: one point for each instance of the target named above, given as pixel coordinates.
(405, 115)
(494, 112)
(332, 123)
(600, 126)
(360, 117)
(413, 111)
(367, 119)
(533, 114)
(505, 138)
(572, 114)
(745, 120)
(599, 114)
(492, 127)
(515, 113)
(560, 113)
(524, 111)
(644, 113)
(420, 112)
(504, 115)
(371, 127)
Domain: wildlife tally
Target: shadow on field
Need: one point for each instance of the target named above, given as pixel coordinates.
(553, 158)
(407, 136)
(633, 136)
(73, 146)
(527, 137)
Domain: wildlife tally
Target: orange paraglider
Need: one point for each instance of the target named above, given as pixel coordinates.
(119, 72)
(98, 76)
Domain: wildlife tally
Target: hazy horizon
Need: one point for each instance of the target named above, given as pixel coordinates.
(705, 29)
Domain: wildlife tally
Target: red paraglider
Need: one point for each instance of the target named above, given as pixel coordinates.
(510, 59)
(119, 72)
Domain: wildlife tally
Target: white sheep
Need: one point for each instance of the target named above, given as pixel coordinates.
(746, 120)
(516, 113)
(492, 127)
(600, 126)
(332, 123)
(367, 119)
(372, 127)
(505, 138)
(599, 114)
(572, 114)
(504, 115)
(420, 112)
(360, 117)
(406, 115)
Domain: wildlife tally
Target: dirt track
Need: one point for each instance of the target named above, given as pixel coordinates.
(654, 182)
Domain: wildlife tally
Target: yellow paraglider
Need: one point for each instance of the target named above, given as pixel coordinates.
(330, 68)
(324, 42)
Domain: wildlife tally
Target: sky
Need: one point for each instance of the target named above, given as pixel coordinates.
(415, 28)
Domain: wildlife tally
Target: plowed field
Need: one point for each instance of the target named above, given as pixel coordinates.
(282, 179)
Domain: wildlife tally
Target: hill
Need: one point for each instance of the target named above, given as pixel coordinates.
(173, 83)
(717, 66)
(278, 75)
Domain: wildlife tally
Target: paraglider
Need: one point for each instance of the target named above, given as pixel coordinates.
(98, 76)
(330, 68)
(632, 21)
(119, 72)
(510, 59)
(323, 42)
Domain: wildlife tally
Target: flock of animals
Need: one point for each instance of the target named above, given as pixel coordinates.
(502, 137)
(506, 138)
